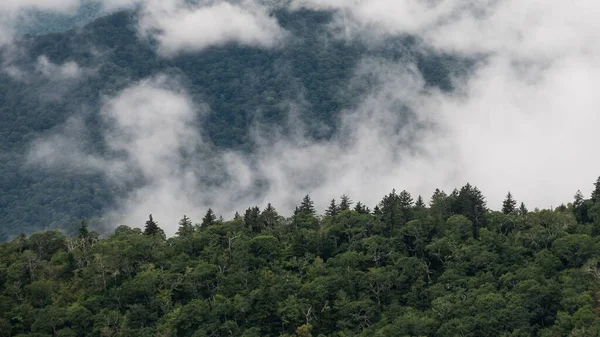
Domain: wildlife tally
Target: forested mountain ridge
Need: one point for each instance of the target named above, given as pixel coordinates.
(242, 85)
(451, 267)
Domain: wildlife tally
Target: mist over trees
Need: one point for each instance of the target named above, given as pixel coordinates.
(52, 78)
(448, 267)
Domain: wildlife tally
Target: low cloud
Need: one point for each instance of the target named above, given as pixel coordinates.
(524, 118)
(180, 27)
(65, 71)
(11, 11)
(176, 25)
(153, 134)
(150, 127)
(13, 7)
(47, 81)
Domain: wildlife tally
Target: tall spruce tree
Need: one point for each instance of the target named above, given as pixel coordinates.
(333, 209)
(405, 203)
(269, 216)
(361, 208)
(523, 210)
(470, 202)
(209, 218)
(251, 219)
(152, 228)
(440, 205)
(83, 230)
(307, 206)
(596, 191)
(579, 208)
(420, 204)
(186, 228)
(345, 203)
(509, 205)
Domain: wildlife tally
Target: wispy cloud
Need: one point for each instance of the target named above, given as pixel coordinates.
(525, 116)
(178, 27)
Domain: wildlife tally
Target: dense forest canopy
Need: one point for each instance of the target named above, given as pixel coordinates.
(446, 267)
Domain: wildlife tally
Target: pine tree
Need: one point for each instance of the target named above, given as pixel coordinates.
(396, 209)
(269, 216)
(523, 210)
(152, 228)
(333, 209)
(209, 218)
(579, 209)
(440, 204)
(83, 230)
(270, 208)
(185, 227)
(388, 209)
(509, 205)
(345, 203)
(251, 219)
(307, 206)
(470, 202)
(361, 208)
(405, 199)
(596, 191)
(377, 210)
(420, 204)
(405, 203)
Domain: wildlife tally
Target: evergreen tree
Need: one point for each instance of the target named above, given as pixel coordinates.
(152, 228)
(470, 202)
(396, 209)
(561, 208)
(83, 230)
(251, 219)
(332, 210)
(361, 208)
(523, 210)
(509, 205)
(596, 191)
(440, 204)
(209, 218)
(307, 206)
(405, 202)
(304, 216)
(580, 209)
(405, 199)
(389, 209)
(420, 204)
(269, 216)
(185, 227)
(345, 203)
(377, 210)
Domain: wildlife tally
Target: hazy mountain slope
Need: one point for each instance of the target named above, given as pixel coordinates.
(38, 22)
(241, 85)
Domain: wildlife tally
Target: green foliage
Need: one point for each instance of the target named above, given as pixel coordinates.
(509, 205)
(343, 274)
